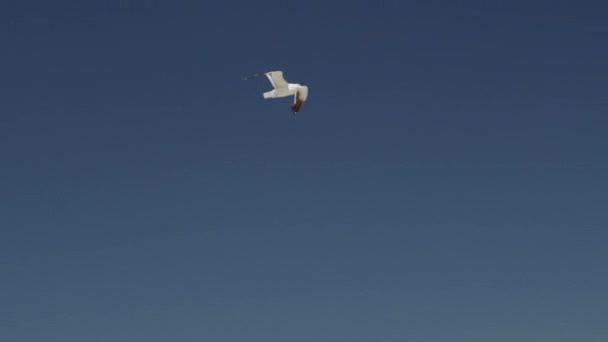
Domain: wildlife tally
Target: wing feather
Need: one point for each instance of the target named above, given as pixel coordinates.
(303, 93)
(299, 98)
(276, 79)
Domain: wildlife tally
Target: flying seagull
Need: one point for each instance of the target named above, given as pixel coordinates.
(284, 89)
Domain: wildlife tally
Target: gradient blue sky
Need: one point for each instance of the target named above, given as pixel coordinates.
(446, 180)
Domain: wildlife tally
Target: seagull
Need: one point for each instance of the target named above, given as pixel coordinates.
(284, 89)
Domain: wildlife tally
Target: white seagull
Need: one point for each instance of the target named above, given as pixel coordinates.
(284, 89)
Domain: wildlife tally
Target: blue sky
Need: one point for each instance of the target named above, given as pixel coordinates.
(445, 181)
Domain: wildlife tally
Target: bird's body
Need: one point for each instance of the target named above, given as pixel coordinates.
(290, 89)
(283, 89)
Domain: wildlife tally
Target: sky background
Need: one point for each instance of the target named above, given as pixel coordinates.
(445, 181)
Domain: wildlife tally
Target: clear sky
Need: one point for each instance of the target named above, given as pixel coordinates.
(445, 181)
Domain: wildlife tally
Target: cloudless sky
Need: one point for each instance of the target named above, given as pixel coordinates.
(445, 181)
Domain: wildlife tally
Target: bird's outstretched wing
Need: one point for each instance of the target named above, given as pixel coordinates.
(299, 98)
(302, 93)
(276, 79)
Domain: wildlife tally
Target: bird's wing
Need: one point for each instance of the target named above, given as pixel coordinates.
(299, 98)
(301, 94)
(276, 78)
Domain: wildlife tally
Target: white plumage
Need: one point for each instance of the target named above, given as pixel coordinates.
(281, 88)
